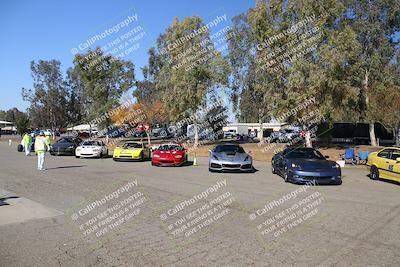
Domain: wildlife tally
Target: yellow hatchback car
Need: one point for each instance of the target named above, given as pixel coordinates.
(131, 151)
(385, 164)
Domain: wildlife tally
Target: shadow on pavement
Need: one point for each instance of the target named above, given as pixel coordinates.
(66, 167)
(4, 199)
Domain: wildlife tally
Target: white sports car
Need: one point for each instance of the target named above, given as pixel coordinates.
(91, 149)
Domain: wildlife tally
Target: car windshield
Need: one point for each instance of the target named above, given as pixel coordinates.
(229, 149)
(170, 148)
(65, 140)
(132, 145)
(304, 154)
(90, 143)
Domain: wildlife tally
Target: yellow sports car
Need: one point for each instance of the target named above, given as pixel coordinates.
(385, 164)
(131, 151)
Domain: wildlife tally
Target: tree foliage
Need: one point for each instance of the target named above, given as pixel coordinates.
(48, 97)
(104, 79)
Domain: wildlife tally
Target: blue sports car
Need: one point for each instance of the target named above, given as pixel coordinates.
(302, 165)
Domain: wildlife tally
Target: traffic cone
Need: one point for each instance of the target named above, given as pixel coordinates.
(194, 160)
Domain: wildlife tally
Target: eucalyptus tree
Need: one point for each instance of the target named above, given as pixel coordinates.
(105, 79)
(191, 68)
(375, 23)
(48, 98)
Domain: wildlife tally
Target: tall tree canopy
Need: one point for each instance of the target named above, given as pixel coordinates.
(189, 68)
(104, 79)
(48, 97)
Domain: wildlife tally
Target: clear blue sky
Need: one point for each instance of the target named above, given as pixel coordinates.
(44, 29)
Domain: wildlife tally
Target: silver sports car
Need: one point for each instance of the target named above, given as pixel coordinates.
(229, 157)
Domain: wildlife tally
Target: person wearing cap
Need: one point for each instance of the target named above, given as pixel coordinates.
(41, 146)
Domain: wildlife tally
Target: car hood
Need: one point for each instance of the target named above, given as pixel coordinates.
(63, 145)
(168, 153)
(128, 150)
(90, 147)
(313, 164)
(233, 157)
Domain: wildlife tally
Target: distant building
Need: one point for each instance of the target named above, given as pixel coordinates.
(7, 127)
(254, 128)
(5, 124)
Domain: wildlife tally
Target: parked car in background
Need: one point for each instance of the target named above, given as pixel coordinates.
(169, 155)
(91, 149)
(284, 136)
(65, 146)
(230, 134)
(203, 132)
(160, 130)
(385, 164)
(302, 165)
(130, 151)
(290, 134)
(229, 157)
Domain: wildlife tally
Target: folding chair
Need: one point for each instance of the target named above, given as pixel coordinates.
(362, 157)
(349, 155)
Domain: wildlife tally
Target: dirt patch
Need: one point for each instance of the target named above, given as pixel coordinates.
(264, 153)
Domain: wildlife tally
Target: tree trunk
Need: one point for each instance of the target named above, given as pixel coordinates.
(371, 124)
(148, 138)
(397, 136)
(307, 138)
(260, 133)
(372, 134)
(196, 135)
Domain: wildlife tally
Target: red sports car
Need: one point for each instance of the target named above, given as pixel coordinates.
(169, 155)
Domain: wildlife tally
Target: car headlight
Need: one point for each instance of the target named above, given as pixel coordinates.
(178, 156)
(336, 166)
(78, 149)
(246, 158)
(215, 157)
(70, 147)
(295, 165)
(156, 156)
(96, 149)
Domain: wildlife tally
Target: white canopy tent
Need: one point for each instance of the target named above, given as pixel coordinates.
(5, 123)
(83, 127)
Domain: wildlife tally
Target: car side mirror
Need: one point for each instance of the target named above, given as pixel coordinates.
(327, 157)
(209, 151)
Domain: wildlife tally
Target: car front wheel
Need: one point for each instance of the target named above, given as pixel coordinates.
(374, 174)
(286, 175)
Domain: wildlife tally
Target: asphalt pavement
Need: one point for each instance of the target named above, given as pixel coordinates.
(97, 212)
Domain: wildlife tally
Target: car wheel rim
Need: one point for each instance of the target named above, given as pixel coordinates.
(374, 173)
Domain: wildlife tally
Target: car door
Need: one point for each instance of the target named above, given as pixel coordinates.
(383, 161)
(394, 165)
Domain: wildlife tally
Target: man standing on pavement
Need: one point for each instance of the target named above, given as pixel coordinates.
(41, 146)
(27, 141)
